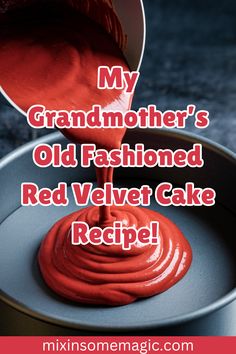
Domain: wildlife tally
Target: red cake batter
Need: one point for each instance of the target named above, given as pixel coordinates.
(55, 63)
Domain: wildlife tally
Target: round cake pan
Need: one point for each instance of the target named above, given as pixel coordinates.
(203, 302)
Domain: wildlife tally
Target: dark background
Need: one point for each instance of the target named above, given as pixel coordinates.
(190, 57)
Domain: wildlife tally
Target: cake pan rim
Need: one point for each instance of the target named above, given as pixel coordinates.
(206, 310)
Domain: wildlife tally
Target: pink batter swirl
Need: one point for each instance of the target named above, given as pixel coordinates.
(109, 275)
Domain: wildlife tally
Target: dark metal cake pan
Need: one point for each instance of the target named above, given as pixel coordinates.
(203, 302)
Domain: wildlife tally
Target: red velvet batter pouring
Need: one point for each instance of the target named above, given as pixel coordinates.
(55, 63)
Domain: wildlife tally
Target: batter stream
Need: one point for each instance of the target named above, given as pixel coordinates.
(54, 61)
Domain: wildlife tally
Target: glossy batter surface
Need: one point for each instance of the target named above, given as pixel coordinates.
(55, 64)
(109, 275)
